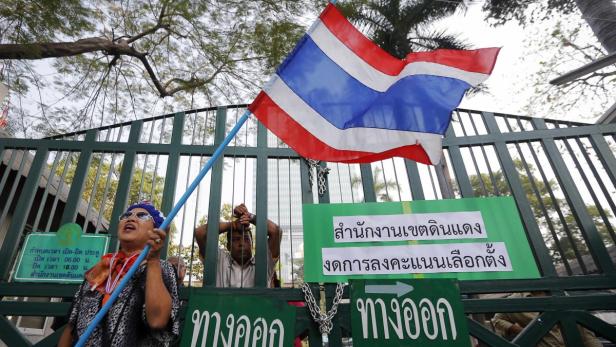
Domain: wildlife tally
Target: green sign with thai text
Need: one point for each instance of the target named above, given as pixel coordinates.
(60, 257)
(402, 313)
(467, 239)
(222, 319)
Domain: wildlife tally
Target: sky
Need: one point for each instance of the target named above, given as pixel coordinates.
(509, 86)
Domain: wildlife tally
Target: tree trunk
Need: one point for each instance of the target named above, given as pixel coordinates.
(600, 15)
(43, 50)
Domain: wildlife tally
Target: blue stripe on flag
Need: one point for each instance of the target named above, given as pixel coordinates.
(421, 103)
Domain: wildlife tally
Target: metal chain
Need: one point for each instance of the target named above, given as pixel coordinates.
(322, 173)
(323, 319)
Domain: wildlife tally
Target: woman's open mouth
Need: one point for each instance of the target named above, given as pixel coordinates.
(130, 227)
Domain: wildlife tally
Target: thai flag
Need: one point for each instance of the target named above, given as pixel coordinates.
(339, 97)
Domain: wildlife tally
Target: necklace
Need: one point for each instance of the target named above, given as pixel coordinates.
(110, 286)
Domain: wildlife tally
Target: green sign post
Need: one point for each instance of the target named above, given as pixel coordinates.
(407, 313)
(469, 239)
(60, 257)
(219, 319)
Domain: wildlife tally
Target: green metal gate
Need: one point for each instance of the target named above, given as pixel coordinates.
(561, 174)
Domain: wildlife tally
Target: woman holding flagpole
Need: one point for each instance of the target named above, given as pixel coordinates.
(146, 312)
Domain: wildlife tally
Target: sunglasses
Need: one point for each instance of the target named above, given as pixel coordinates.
(143, 216)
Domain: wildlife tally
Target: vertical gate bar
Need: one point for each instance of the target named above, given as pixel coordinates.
(261, 208)
(464, 183)
(167, 200)
(603, 188)
(15, 185)
(304, 172)
(384, 180)
(145, 162)
(591, 191)
(543, 208)
(56, 197)
(490, 172)
(315, 339)
(472, 153)
(123, 189)
(335, 336)
(393, 162)
(414, 180)
(324, 199)
(485, 156)
(367, 182)
(52, 173)
(79, 180)
(290, 221)
(571, 333)
(103, 206)
(94, 190)
(348, 166)
(479, 176)
(555, 202)
(443, 183)
(9, 165)
(605, 155)
(559, 211)
(589, 230)
(22, 209)
(213, 215)
(532, 229)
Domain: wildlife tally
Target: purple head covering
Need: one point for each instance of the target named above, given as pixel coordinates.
(157, 216)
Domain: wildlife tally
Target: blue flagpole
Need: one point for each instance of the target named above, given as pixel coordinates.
(116, 292)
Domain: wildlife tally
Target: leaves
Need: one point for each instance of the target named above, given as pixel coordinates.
(153, 56)
(401, 27)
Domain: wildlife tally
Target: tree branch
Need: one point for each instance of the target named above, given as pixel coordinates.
(42, 50)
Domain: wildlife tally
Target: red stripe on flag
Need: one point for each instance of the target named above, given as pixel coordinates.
(309, 146)
(360, 44)
(479, 60)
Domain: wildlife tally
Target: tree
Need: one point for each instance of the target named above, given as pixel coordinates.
(569, 46)
(563, 247)
(113, 60)
(402, 27)
(102, 180)
(381, 184)
(599, 14)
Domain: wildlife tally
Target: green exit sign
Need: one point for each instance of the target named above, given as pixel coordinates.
(400, 313)
(60, 257)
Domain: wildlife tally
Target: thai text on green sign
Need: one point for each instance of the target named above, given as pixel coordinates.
(407, 313)
(470, 239)
(219, 319)
(60, 257)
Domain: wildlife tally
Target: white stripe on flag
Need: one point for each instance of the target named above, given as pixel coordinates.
(372, 140)
(344, 57)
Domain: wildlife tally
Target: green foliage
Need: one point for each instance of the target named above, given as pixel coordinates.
(102, 180)
(188, 54)
(545, 209)
(381, 184)
(525, 11)
(275, 40)
(40, 21)
(401, 27)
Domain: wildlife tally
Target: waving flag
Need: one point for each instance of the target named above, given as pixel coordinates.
(339, 97)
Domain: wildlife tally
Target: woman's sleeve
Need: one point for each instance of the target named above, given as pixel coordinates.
(75, 305)
(172, 332)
